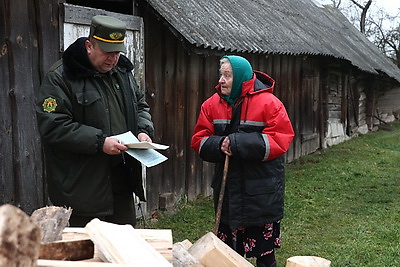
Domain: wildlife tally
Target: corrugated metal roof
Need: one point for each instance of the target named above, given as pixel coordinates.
(273, 26)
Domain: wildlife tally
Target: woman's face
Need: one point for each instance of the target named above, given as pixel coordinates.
(102, 61)
(226, 78)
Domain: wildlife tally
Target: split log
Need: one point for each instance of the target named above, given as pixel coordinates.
(120, 244)
(213, 252)
(307, 261)
(159, 239)
(186, 244)
(182, 257)
(52, 221)
(19, 238)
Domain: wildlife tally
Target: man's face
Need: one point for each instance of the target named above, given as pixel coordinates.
(226, 78)
(102, 61)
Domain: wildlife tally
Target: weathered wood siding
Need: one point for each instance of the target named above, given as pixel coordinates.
(28, 41)
(388, 106)
(346, 113)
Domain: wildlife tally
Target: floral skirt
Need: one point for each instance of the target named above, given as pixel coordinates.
(254, 241)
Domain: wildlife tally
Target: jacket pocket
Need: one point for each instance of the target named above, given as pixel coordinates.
(260, 186)
(90, 109)
(87, 98)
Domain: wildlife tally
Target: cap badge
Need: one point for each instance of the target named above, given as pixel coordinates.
(49, 105)
(116, 35)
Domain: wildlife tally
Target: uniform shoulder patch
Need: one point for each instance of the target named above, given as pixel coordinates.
(49, 104)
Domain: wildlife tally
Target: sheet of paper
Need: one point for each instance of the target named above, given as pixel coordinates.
(149, 157)
(132, 142)
(142, 151)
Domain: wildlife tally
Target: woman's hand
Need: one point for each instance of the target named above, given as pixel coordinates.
(226, 146)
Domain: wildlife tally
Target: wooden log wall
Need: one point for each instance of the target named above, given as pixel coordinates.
(176, 81)
(28, 46)
(389, 104)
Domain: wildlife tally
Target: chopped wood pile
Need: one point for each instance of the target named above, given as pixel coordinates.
(44, 239)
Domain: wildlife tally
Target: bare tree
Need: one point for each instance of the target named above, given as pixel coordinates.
(336, 3)
(387, 40)
(364, 10)
(393, 43)
(375, 25)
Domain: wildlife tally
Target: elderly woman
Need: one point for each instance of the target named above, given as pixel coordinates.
(245, 121)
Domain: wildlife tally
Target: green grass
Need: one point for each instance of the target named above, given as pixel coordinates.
(341, 203)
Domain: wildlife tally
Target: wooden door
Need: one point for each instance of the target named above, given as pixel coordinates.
(310, 108)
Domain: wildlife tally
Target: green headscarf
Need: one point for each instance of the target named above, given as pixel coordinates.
(242, 71)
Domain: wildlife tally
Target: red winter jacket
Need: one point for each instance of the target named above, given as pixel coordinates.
(255, 186)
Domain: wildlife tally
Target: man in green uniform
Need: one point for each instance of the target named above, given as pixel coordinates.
(86, 97)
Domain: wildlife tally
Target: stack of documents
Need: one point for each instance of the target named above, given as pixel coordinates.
(142, 151)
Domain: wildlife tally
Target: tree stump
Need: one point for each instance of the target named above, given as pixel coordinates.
(19, 238)
(73, 247)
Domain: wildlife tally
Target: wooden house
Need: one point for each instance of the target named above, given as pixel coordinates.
(334, 83)
(328, 75)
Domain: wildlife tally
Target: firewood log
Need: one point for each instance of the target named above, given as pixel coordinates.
(19, 238)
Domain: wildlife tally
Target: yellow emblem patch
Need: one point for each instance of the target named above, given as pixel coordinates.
(49, 104)
(116, 35)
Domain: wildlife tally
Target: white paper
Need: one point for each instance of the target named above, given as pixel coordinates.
(146, 145)
(149, 157)
(132, 142)
(142, 151)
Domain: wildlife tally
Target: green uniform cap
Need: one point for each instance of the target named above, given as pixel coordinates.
(109, 33)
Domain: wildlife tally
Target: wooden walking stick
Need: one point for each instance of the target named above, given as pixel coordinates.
(221, 195)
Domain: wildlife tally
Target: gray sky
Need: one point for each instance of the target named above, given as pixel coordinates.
(391, 6)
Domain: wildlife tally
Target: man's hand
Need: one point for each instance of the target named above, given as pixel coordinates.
(112, 146)
(144, 138)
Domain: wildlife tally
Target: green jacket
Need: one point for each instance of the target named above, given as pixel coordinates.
(73, 117)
